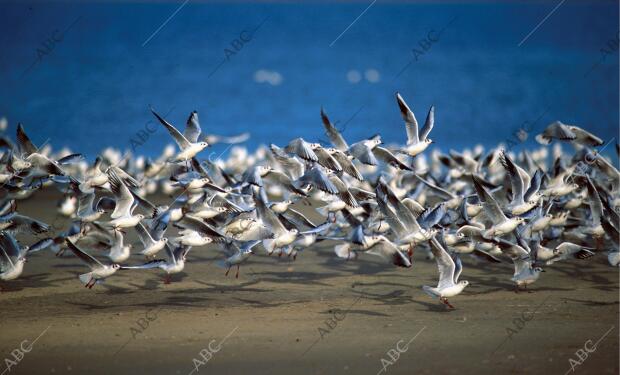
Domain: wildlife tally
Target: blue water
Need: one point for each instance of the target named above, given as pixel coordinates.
(92, 84)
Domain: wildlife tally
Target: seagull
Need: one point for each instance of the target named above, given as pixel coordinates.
(417, 141)
(450, 268)
(177, 256)
(522, 200)
(122, 216)
(377, 245)
(189, 147)
(613, 256)
(13, 256)
(98, 271)
(151, 246)
(501, 225)
(237, 254)
(525, 272)
(282, 236)
(562, 132)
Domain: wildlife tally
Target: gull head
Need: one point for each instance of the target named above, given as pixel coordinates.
(220, 209)
(204, 144)
(140, 216)
(294, 231)
(428, 141)
(116, 266)
(464, 283)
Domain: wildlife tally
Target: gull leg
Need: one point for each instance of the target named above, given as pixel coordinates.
(167, 279)
(528, 290)
(295, 256)
(444, 300)
(237, 275)
(228, 270)
(517, 290)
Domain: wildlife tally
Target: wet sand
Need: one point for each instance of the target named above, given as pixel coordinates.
(315, 315)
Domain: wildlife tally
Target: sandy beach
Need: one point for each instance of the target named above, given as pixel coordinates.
(315, 315)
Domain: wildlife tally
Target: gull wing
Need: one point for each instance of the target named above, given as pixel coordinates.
(285, 181)
(389, 251)
(233, 139)
(192, 128)
(395, 224)
(343, 191)
(123, 197)
(489, 203)
(148, 265)
(318, 229)
(292, 166)
(403, 213)
(45, 164)
(586, 138)
(9, 247)
(363, 153)
(389, 158)
(302, 149)
(181, 141)
(556, 130)
(334, 135)
(436, 189)
(516, 182)
(318, 179)
(410, 120)
(23, 141)
(428, 124)
(596, 206)
(268, 217)
(535, 183)
(347, 165)
(298, 218)
(91, 261)
(445, 265)
(189, 222)
(326, 159)
(144, 235)
(85, 204)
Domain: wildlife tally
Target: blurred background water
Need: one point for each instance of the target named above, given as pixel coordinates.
(82, 75)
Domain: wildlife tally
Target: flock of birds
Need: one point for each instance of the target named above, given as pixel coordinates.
(535, 208)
